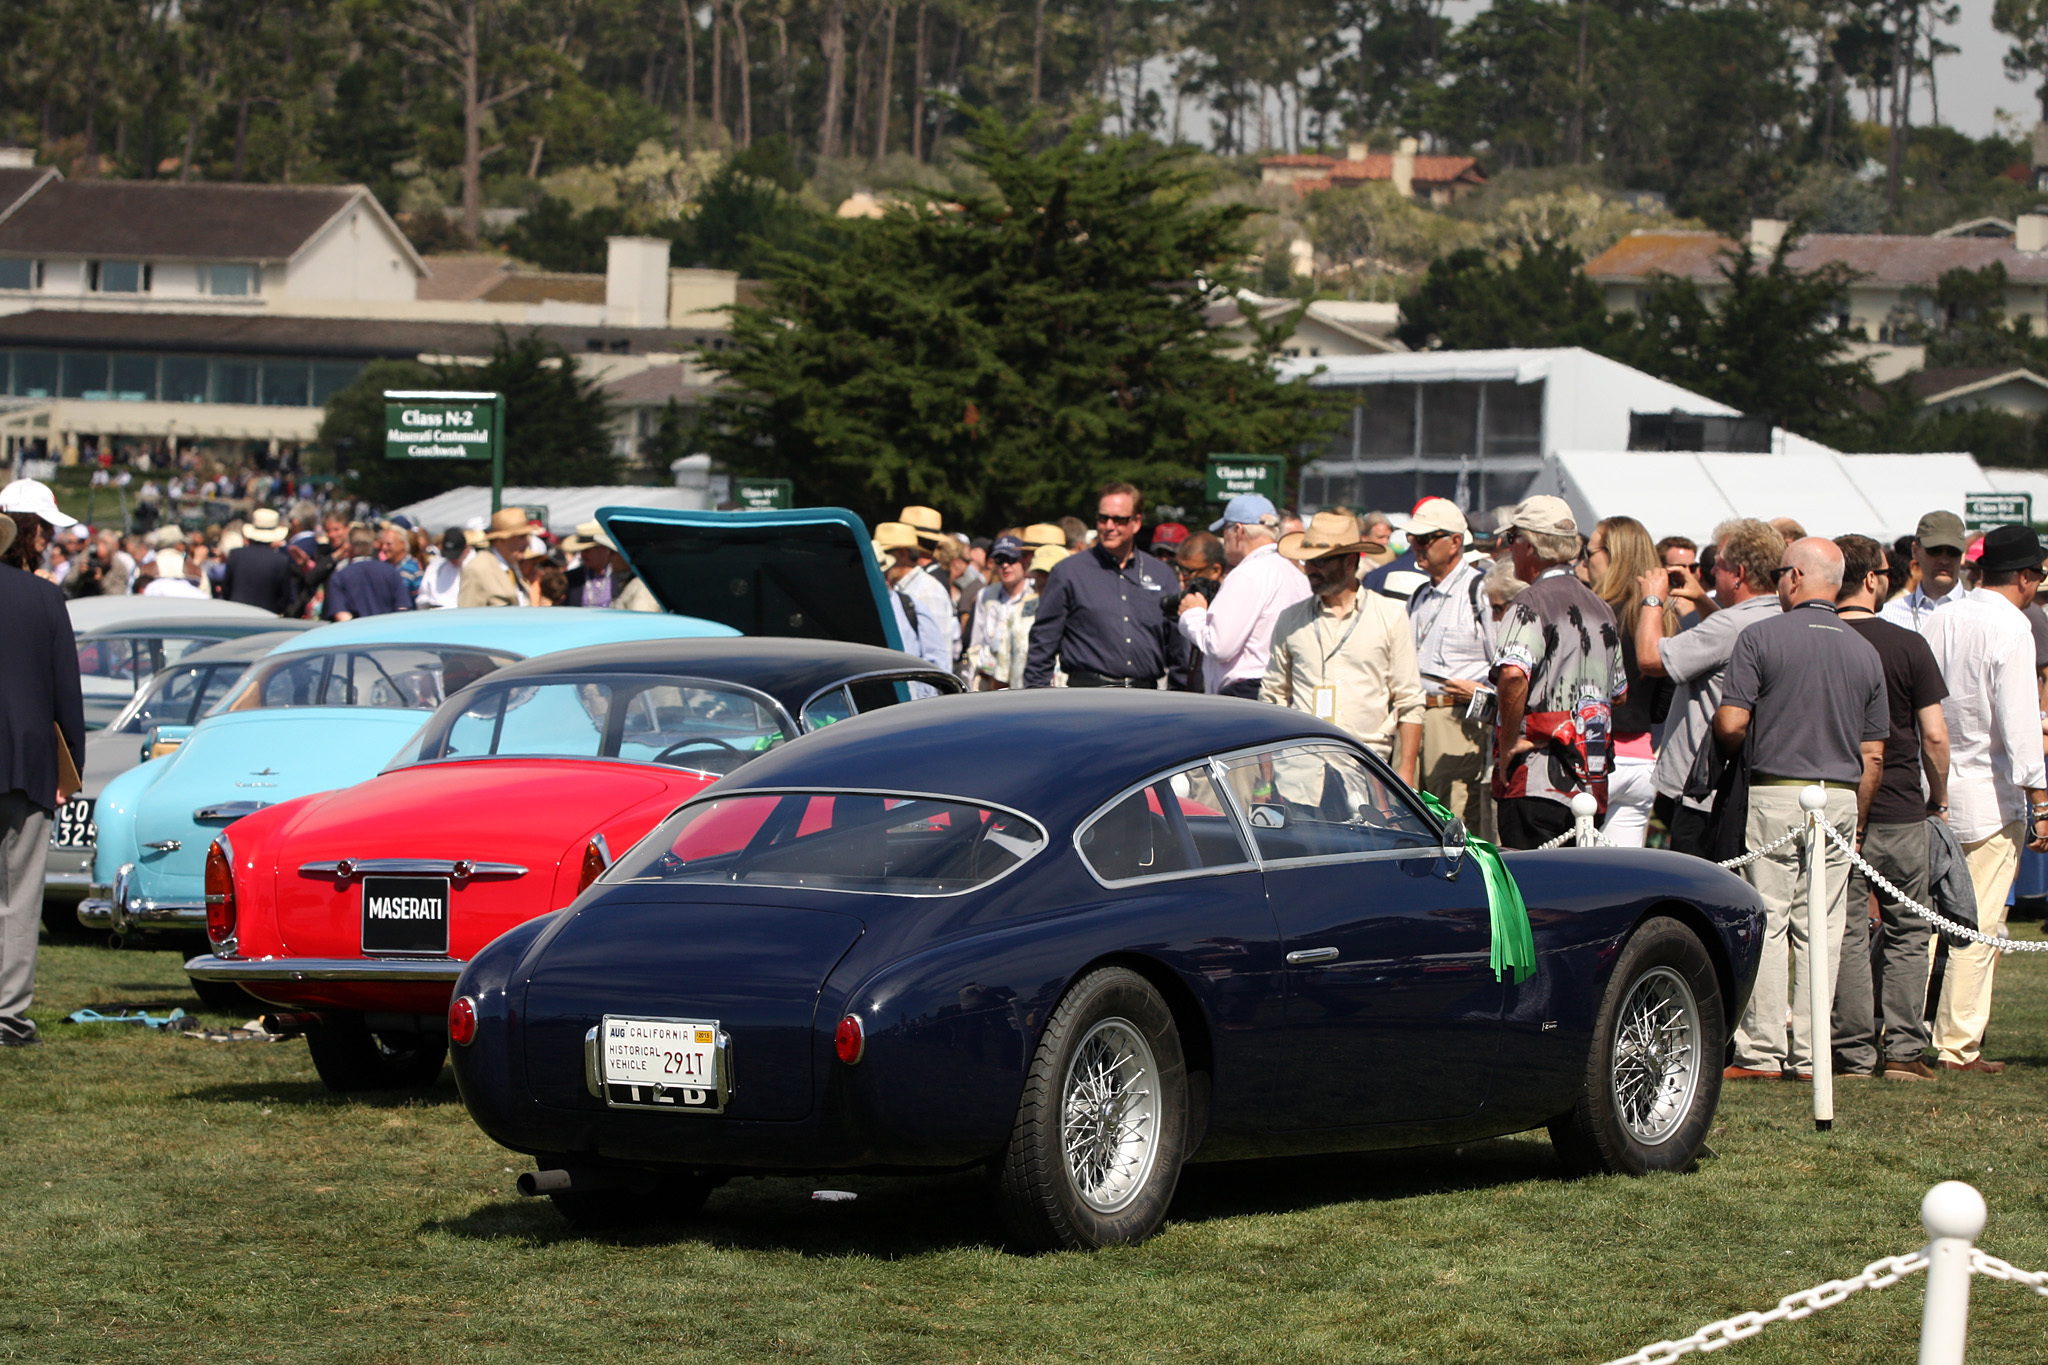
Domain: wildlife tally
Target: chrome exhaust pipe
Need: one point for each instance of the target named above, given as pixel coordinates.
(562, 1180)
(290, 1023)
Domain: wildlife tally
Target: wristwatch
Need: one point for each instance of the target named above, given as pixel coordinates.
(1653, 600)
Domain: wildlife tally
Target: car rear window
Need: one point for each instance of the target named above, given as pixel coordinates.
(684, 723)
(388, 677)
(834, 841)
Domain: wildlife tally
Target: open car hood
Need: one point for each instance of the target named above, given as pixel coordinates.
(808, 573)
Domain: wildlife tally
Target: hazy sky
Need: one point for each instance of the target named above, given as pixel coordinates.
(1973, 85)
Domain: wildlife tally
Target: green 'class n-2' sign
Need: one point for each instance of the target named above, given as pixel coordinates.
(440, 426)
(1230, 475)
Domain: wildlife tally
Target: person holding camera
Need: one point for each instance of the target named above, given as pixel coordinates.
(1454, 649)
(1198, 561)
(1235, 632)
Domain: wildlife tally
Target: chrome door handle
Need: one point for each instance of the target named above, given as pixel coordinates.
(1302, 957)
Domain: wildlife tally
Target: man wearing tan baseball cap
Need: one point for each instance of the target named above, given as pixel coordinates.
(1558, 672)
(492, 577)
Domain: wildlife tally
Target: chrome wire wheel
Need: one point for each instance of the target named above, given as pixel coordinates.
(1657, 1057)
(1109, 1115)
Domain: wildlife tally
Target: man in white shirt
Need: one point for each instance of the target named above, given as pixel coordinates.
(922, 604)
(1235, 632)
(1454, 649)
(1938, 545)
(442, 582)
(1997, 787)
(170, 580)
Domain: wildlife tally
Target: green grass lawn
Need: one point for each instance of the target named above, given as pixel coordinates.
(168, 1200)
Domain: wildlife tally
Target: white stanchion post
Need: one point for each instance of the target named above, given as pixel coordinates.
(1584, 808)
(1953, 1214)
(1820, 994)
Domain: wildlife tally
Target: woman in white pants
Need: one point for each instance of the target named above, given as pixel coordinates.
(1618, 554)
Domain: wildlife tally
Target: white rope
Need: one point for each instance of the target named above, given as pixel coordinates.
(1791, 1308)
(1559, 841)
(1947, 926)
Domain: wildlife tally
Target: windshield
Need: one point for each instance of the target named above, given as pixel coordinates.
(391, 677)
(176, 696)
(686, 723)
(834, 841)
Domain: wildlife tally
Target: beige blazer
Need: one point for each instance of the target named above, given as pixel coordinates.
(487, 582)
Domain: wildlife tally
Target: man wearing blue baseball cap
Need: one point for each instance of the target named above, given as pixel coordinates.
(1235, 632)
(1009, 560)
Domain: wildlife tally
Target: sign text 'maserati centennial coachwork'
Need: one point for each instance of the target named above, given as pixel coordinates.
(447, 424)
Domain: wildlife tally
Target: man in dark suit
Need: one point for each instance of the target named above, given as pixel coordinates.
(600, 574)
(259, 574)
(40, 706)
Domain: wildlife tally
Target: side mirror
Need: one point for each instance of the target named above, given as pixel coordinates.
(1454, 848)
(1269, 817)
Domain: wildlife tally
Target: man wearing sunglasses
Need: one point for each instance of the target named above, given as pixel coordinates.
(1099, 617)
(1938, 545)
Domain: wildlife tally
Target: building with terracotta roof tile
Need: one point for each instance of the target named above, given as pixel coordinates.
(1435, 180)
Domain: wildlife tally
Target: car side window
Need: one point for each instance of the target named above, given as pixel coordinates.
(218, 681)
(828, 709)
(1177, 824)
(1321, 800)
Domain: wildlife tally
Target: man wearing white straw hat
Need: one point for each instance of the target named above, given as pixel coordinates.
(259, 574)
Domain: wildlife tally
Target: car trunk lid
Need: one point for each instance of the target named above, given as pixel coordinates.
(755, 968)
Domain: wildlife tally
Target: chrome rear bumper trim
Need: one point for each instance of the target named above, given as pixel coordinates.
(459, 868)
(211, 968)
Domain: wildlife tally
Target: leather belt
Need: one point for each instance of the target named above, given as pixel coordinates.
(1081, 677)
(1440, 700)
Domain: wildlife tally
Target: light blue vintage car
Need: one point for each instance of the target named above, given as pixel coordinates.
(324, 710)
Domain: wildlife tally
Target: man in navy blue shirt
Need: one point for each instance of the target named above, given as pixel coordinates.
(1099, 614)
(365, 585)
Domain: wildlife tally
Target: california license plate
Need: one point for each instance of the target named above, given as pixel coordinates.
(405, 915)
(73, 827)
(678, 1064)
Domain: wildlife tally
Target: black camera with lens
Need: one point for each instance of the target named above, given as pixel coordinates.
(1204, 588)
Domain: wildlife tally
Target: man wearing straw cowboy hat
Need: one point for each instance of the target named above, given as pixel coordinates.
(1346, 655)
(601, 575)
(259, 574)
(921, 621)
(492, 577)
(929, 586)
(42, 747)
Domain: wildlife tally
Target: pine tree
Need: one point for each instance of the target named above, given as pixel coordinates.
(999, 356)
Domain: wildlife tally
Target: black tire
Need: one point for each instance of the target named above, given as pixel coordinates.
(1044, 1205)
(349, 1056)
(1662, 1122)
(60, 922)
(665, 1200)
(226, 997)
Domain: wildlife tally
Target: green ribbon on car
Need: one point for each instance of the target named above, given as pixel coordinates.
(1514, 943)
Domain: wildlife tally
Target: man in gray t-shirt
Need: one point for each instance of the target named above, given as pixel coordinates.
(1804, 699)
(1745, 552)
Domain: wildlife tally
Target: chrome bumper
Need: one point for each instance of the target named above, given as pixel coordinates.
(212, 968)
(119, 914)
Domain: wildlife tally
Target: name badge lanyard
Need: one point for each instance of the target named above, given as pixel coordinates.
(1325, 694)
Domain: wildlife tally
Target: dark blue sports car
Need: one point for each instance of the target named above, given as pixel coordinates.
(1081, 938)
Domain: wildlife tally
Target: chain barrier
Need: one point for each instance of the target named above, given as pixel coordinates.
(1715, 1335)
(1989, 1266)
(1744, 860)
(1946, 925)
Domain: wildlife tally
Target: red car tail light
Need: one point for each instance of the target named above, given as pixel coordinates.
(597, 856)
(849, 1041)
(220, 891)
(462, 1021)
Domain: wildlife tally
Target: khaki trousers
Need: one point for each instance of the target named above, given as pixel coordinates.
(1452, 767)
(1965, 1009)
(1780, 878)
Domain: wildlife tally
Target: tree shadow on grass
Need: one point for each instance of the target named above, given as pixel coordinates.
(896, 1217)
(314, 1095)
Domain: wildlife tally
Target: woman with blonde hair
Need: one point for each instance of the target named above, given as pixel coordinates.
(1618, 554)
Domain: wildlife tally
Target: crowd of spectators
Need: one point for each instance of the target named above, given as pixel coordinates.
(1693, 690)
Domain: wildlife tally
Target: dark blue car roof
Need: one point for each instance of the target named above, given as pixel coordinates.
(1053, 753)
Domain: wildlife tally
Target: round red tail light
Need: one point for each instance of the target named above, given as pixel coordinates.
(220, 892)
(848, 1040)
(462, 1021)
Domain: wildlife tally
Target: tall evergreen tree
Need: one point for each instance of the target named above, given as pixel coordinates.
(998, 356)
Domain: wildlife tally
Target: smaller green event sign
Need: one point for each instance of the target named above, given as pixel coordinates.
(763, 495)
(440, 425)
(1982, 511)
(1230, 475)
